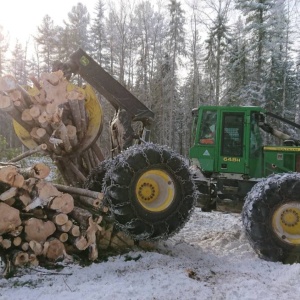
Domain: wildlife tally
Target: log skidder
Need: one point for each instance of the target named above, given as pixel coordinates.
(148, 189)
(271, 217)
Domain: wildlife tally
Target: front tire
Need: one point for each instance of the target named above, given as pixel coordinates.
(150, 192)
(95, 179)
(271, 218)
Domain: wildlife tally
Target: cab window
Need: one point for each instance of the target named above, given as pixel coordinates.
(232, 134)
(208, 128)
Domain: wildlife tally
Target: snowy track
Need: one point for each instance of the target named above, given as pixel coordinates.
(209, 259)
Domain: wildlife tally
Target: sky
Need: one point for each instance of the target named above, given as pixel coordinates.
(20, 18)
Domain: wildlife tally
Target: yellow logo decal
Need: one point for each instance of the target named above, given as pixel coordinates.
(84, 61)
(232, 159)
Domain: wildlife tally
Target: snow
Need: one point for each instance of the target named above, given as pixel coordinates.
(210, 258)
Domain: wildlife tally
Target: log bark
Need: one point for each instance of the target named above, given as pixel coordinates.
(83, 116)
(79, 175)
(72, 135)
(90, 202)
(121, 240)
(12, 192)
(79, 191)
(35, 82)
(105, 237)
(63, 134)
(91, 158)
(93, 252)
(40, 148)
(87, 161)
(75, 111)
(81, 216)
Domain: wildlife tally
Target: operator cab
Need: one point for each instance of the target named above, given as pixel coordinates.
(227, 140)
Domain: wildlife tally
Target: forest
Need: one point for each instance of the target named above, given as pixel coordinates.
(174, 55)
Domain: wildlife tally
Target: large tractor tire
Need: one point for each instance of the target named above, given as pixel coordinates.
(271, 217)
(149, 191)
(94, 181)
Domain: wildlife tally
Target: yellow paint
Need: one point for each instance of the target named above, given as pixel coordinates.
(231, 159)
(286, 223)
(155, 190)
(282, 149)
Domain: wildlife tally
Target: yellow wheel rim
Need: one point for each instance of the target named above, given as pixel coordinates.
(155, 190)
(286, 223)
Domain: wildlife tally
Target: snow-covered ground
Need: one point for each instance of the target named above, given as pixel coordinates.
(209, 259)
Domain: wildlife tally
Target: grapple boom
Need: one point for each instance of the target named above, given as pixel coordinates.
(81, 63)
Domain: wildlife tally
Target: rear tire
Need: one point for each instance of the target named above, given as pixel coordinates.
(150, 192)
(271, 217)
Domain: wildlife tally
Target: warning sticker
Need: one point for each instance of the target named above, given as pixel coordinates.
(206, 153)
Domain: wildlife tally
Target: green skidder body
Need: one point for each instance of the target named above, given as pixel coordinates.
(234, 171)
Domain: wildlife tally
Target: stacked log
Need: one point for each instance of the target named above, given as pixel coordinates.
(41, 223)
(54, 114)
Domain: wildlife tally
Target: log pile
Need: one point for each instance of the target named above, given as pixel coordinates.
(40, 222)
(53, 113)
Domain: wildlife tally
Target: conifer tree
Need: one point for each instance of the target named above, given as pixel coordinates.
(47, 41)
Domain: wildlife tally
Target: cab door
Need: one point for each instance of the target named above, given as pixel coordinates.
(206, 141)
(231, 158)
